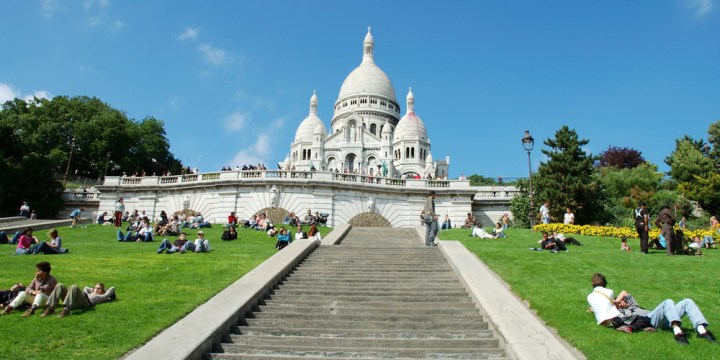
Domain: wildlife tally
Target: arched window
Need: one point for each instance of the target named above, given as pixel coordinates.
(373, 129)
(412, 152)
(407, 152)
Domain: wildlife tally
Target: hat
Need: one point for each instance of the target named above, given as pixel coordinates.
(200, 232)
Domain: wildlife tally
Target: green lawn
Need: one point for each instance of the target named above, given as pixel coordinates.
(154, 290)
(556, 286)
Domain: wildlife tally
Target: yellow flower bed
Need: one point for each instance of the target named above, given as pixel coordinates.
(610, 231)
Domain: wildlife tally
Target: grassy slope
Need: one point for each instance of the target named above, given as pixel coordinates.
(556, 286)
(153, 290)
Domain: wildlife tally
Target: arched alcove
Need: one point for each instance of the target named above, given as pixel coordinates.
(369, 219)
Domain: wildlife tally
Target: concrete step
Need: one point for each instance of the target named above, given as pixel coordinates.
(368, 285)
(373, 333)
(366, 325)
(286, 342)
(375, 292)
(322, 310)
(280, 296)
(371, 306)
(419, 316)
(353, 353)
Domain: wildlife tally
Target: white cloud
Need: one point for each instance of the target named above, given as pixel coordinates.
(190, 33)
(255, 153)
(213, 55)
(97, 13)
(236, 121)
(8, 92)
(49, 7)
(700, 7)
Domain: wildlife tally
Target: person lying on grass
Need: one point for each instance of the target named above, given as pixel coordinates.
(624, 314)
(73, 298)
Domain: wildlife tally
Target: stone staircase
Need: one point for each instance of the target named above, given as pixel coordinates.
(379, 294)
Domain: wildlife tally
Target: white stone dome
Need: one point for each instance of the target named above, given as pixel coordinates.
(311, 124)
(367, 78)
(410, 127)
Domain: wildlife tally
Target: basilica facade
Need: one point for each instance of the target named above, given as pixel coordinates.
(367, 133)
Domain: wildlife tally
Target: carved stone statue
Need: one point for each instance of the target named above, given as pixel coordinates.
(274, 196)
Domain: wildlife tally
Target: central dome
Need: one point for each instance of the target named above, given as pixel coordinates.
(367, 78)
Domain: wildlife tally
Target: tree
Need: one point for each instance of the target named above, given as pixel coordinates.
(694, 165)
(567, 179)
(479, 180)
(620, 157)
(39, 135)
(520, 205)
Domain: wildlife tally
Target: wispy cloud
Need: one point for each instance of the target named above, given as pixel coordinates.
(49, 7)
(190, 33)
(97, 12)
(213, 55)
(236, 121)
(700, 8)
(255, 153)
(9, 92)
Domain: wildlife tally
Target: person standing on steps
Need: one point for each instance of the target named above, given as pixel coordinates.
(431, 219)
(642, 225)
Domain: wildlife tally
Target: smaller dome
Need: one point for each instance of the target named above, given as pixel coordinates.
(312, 122)
(410, 127)
(319, 130)
(386, 129)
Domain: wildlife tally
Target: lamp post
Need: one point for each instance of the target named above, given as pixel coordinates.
(107, 163)
(528, 142)
(67, 169)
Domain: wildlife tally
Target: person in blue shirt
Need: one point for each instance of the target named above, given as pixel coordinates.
(75, 216)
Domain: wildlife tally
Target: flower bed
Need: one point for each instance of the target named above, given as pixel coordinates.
(610, 231)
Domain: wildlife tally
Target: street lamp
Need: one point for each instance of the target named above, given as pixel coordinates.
(106, 164)
(528, 142)
(67, 169)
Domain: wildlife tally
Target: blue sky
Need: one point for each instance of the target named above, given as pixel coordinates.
(232, 79)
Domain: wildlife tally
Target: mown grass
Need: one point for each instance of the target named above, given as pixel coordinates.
(556, 286)
(154, 290)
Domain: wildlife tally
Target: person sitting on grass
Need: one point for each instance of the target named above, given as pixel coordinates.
(75, 216)
(480, 232)
(53, 247)
(707, 242)
(658, 243)
(550, 243)
(201, 244)
(447, 224)
(624, 245)
(469, 221)
(300, 234)
(145, 233)
(624, 314)
(73, 298)
(25, 242)
(172, 228)
(101, 219)
(176, 246)
(37, 293)
(284, 238)
(314, 234)
(229, 234)
(499, 231)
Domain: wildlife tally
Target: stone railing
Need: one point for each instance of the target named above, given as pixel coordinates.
(74, 195)
(265, 176)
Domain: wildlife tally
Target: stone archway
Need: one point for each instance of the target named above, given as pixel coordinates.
(276, 215)
(368, 219)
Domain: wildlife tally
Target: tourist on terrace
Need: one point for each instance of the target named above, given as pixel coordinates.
(25, 209)
(308, 219)
(232, 219)
(624, 314)
(37, 293)
(73, 298)
(499, 231)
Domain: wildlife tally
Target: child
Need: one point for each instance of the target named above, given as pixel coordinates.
(623, 245)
